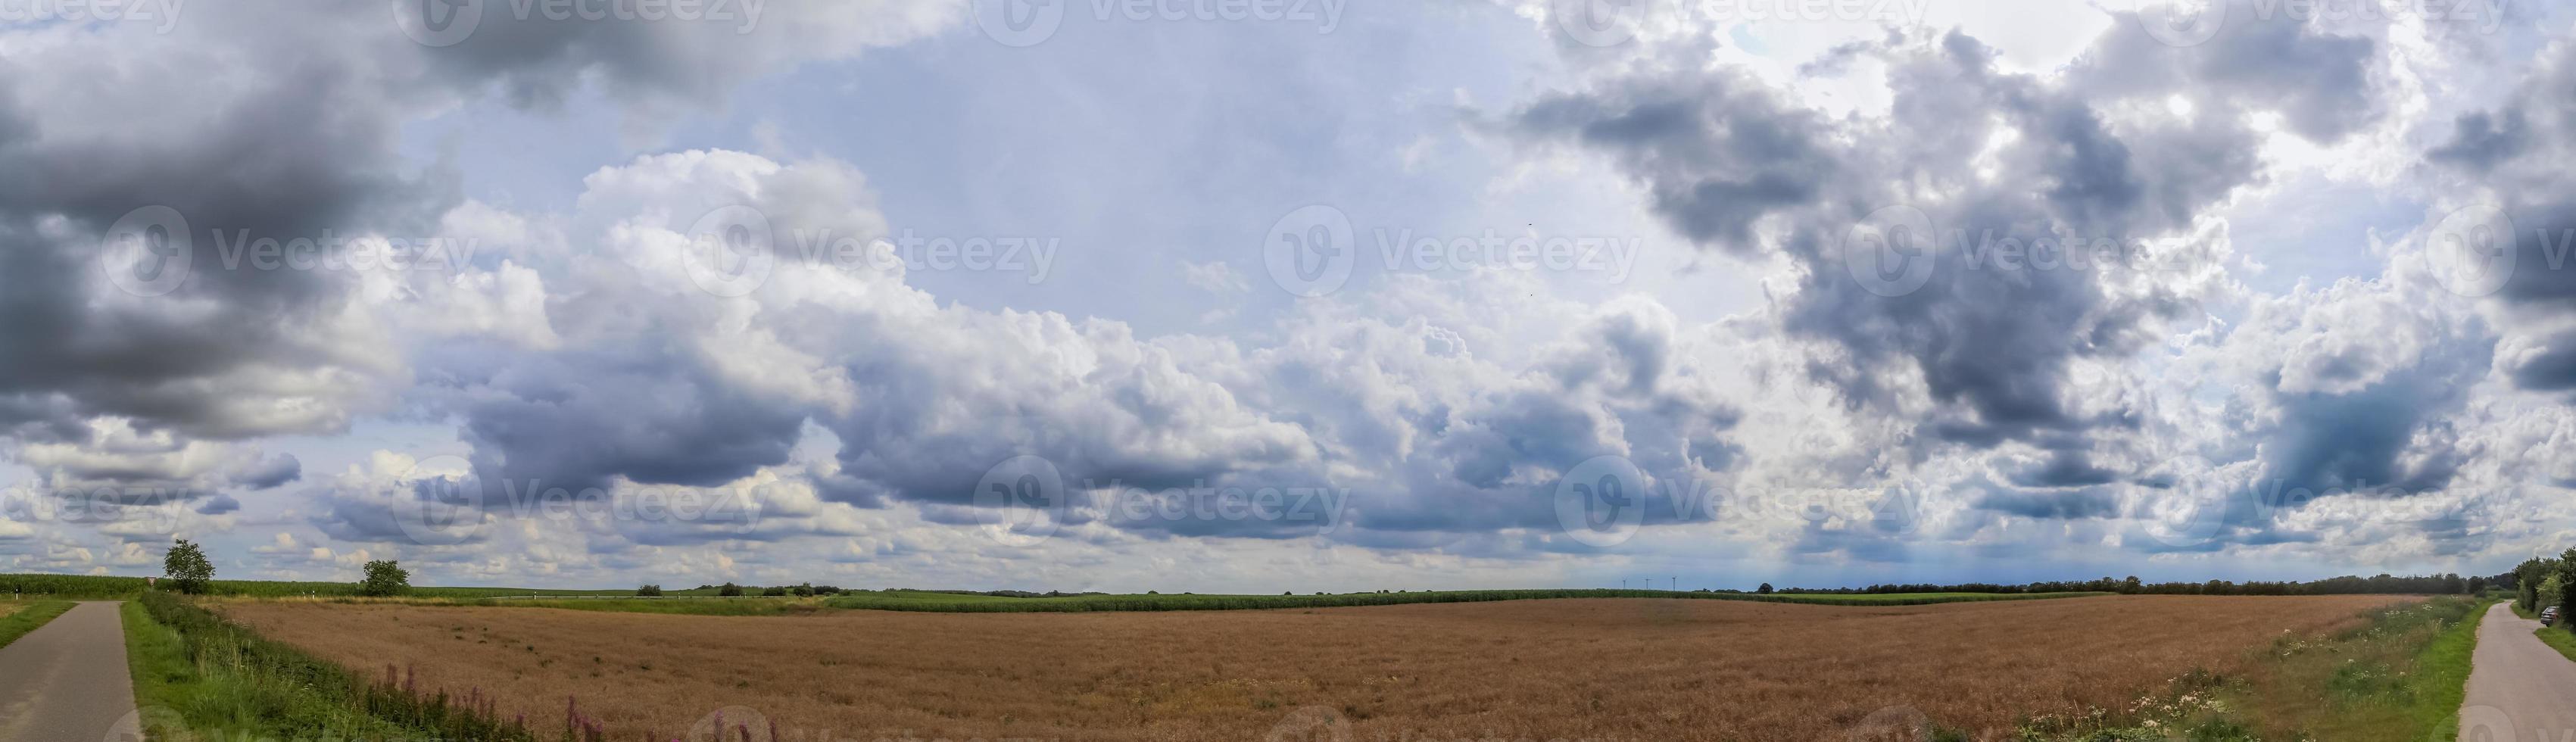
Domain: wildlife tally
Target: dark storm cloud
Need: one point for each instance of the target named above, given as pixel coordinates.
(2065, 468)
(2517, 156)
(1720, 154)
(580, 420)
(284, 121)
(2058, 504)
(269, 473)
(2552, 370)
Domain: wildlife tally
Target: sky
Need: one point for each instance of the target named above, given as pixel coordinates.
(1270, 295)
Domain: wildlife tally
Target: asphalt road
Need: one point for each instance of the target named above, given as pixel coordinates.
(2520, 690)
(67, 681)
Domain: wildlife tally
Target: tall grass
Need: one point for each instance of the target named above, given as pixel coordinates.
(101, 586)
(2401, 674)
(948, 603)
(216, 679)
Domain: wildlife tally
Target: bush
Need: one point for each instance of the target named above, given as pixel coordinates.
(1764, 590)
(826, 590)
(385, 578)
(649, 591)
(729, 590)
(773, 592)
(187, 569)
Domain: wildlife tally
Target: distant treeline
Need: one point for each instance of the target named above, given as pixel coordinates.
(101, 586)
(2444, 584)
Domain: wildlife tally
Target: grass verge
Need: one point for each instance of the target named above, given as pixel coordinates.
(2558, 639)
(2400, 675)
(948, 603)
(18, 619)
(197, 676)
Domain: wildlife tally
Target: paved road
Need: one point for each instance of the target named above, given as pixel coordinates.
(67, 681)
(2520, 690)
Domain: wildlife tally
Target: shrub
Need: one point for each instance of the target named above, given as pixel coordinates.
(826, 590)
(649, 591)
(729, 590)
(385, 578)
(186, 568)
(773, 592)
(1764, 590)
(805, 590)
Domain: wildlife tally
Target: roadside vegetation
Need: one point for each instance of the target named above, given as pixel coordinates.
(19, 617)
(198, 676)
(2401, 674)
(87, 587)
(1598, 669)
(954, 603)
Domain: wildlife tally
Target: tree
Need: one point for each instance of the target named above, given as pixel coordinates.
(649, 591)
(2566, 575)
(1765, 589)
(385, 578)
(805, 590)
(186, 568)
(729, 590)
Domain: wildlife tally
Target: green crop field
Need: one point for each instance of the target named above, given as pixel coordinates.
(91, 586)
(955, 603)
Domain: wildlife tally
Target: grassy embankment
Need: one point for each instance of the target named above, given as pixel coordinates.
(103, 587)
(19, 617)
(953, 603)
(2558, 638)
(197, 676)
(2400, 675)
(957, 602)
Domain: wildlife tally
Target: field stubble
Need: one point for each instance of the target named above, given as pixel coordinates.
(1635, 669)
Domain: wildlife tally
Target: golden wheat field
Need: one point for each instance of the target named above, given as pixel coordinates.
(1602, 669)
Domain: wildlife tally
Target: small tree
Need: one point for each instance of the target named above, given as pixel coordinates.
(805, 590)
(186, 568)
(649, 591)
(1765, 589)
(773, 592)
(2566, 576)
(729, 590)
(385, 578)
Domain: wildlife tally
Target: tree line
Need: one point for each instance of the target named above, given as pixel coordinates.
(2541, 583)
(2443, 584)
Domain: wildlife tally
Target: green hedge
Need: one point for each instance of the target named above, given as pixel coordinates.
(941, 603)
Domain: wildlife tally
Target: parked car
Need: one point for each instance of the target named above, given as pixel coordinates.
(2549, 616)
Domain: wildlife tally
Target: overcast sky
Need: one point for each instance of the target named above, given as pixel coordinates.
(1287, 295)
